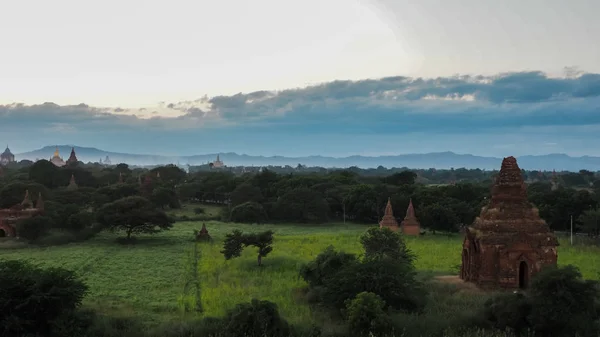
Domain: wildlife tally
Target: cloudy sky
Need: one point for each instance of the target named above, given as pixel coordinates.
(329, 77)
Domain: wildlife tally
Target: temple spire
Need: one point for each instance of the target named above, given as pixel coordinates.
(388, 208)
(26, 200)
(388, 220)
(39, 203)
(410, 224)
(72, 183)
(410, 211)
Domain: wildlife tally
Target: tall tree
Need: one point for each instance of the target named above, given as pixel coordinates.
(133, 215)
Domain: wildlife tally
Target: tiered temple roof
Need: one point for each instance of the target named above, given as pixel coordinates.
(72, 158)
(6, 156)
(388, 220)
(509, 213)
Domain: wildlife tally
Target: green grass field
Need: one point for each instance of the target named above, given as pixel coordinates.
(147, 279)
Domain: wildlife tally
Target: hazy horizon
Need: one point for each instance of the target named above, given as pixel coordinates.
(369, 77)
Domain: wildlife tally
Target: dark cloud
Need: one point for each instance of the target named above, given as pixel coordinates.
(439, 107)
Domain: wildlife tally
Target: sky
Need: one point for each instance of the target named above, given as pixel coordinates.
(294, 78)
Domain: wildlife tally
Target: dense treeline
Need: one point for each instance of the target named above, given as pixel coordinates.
(306, 198)
(342, 195)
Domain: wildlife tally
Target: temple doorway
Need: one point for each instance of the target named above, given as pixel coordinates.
(523, 275)
(2, 233)
(465, 265)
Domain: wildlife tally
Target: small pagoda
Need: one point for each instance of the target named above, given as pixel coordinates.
(25, 209)
(202, 235)
(508, 242)
(410, 225)
(72, 183)
(388, 220)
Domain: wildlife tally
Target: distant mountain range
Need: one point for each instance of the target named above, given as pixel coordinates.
(439, 160)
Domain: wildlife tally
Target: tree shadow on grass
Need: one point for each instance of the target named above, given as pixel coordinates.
(145, 241)
(270, 264)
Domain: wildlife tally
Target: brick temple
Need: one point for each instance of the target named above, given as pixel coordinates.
(388, 220)
(508, 242)
(25, 209)
(410, 225)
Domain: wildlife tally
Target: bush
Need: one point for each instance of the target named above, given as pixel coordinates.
(199, 210)
(558, 303)
(33, 228)
(365, 315)
(508, 312)
(382, 242)
(35, 301)
(325, 264)
(394, 281)
(255, 319)
(80, 220)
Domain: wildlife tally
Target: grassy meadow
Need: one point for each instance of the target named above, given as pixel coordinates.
(147, 279)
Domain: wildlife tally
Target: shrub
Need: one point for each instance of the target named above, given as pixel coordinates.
(255, 319)
(382, 242)
(34, 301)
(558, 303)
(34, 228)
(199, 210)
(394, 281)
(327, 263)
(365, 315)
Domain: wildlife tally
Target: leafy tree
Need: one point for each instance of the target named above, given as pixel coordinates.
(45, 173)
(33, 228)
(590, 222)
(113, 193)
(133, 215)
(262, 241)
(33, 299)
(80, 197)
(382, 242)
(248, 212)
(438, 217)
(232, 247)
(13, 193)
(162, 196)
(245, 193)
(361, 203)
(366, 316)
(60, 213)
(80, 220)
(233, 244)
(401, 178)
(302, 205)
